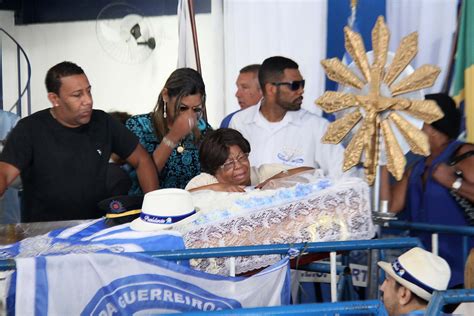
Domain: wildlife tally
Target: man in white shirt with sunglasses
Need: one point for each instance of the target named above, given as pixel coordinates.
(279, 130)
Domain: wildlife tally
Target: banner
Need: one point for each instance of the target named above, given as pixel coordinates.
(128, 284)
(463, 83)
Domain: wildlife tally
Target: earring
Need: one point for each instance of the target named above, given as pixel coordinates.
(164, 110)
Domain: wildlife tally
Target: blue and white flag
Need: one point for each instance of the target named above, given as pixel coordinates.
(132, 284)
(91, 237)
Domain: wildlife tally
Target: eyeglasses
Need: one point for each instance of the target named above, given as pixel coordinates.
(230, 165)
(294, 85)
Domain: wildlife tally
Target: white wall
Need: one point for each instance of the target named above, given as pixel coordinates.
(254, 30)
(115, 85)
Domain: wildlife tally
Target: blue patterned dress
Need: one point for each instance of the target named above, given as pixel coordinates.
(180, 167)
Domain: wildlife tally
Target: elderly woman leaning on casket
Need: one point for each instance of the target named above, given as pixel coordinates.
(225, 165)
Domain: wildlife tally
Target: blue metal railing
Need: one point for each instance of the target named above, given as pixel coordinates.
(439, 299)
(373, 307)
(282, 249)
(353, 307)
(465, 231)
(442, 298)
(27, 88)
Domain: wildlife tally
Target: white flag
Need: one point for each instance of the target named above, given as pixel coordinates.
(135, 284)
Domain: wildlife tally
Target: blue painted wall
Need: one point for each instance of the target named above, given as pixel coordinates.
(338, 13)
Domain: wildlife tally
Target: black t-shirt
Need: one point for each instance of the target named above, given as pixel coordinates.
(63, 169)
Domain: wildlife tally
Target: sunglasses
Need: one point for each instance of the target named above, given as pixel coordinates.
(230, 165)
(198, 110)
(294, 85)
(184, 108)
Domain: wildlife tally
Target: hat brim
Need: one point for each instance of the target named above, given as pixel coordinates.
(387, 267)
(142, 226)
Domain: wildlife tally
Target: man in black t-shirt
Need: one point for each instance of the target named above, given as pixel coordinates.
(62, 153)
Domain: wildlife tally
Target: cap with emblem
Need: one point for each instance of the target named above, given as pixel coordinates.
(121, 209)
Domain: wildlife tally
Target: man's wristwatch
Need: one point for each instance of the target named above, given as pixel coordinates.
(456, 184)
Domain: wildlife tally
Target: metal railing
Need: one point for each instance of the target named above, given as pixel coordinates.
(283, 249)
(442, 298)
(373, 307)
(21, 91)
(465, 231)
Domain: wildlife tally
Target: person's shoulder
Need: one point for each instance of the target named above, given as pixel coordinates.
(245, 114)
(6, 115)
(307, 114)
(101, 118)
(466, 147)
(99, 115)
(226, 120)
(200, 180)
(140, 123)
(142, 118)
(38, 116)
(311, 118)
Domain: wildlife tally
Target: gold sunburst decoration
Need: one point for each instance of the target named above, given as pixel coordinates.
(379, 102)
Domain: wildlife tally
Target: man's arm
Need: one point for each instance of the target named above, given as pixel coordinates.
(146, 171)
(8, 173)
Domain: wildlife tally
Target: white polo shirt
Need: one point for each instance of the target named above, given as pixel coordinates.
(294, 141)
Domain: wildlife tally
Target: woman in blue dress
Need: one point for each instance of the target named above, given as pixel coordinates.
(173, 132)
(425, 192)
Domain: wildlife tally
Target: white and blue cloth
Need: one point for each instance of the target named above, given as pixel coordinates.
(131, 284)
(92, 237)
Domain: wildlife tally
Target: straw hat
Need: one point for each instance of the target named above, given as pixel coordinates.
(162, 209)
(420, 271)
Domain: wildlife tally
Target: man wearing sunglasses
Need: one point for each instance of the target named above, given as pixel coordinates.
(279, 130)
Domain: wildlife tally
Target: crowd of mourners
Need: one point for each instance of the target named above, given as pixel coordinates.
(70, 157)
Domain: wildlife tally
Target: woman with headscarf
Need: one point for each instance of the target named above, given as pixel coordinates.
(173, 132)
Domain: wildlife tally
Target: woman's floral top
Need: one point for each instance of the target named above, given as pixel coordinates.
(180, 167)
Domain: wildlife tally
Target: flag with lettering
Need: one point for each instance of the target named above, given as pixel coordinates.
(135, 284)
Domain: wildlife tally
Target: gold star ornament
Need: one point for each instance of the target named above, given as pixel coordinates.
(378, 105)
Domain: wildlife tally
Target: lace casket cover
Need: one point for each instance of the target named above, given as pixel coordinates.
(319, 211)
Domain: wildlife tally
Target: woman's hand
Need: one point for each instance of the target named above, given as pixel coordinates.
(264, 183)
(182, 126)
(444, 174)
